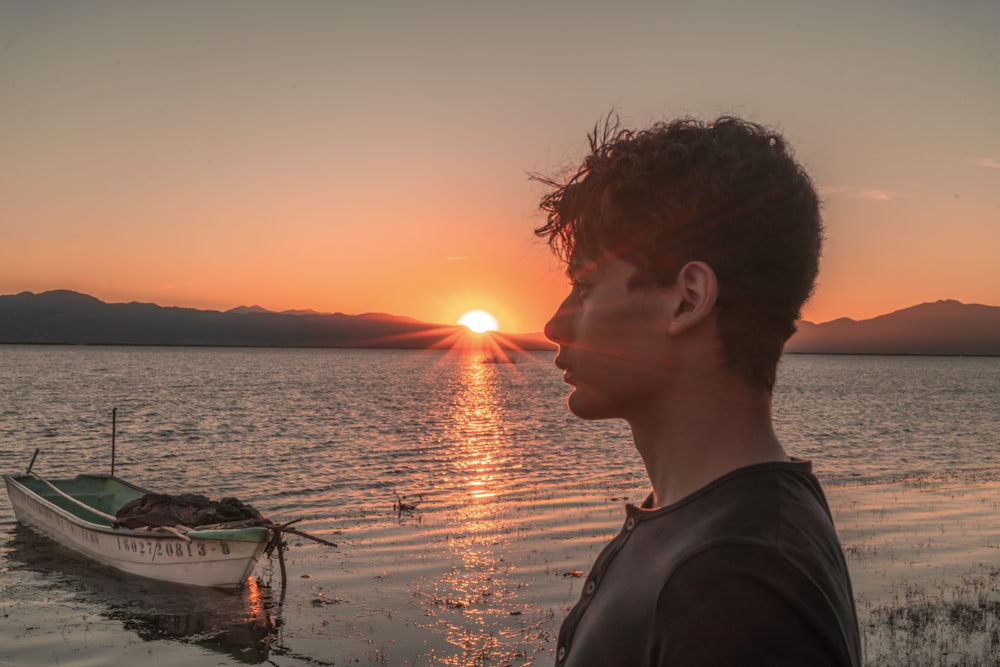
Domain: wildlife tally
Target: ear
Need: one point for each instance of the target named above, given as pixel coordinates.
(695, 292)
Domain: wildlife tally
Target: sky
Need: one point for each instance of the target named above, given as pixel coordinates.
(375, 156)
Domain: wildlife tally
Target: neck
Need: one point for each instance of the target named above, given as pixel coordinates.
(691, 438)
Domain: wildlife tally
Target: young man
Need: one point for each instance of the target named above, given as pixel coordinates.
(691, 248)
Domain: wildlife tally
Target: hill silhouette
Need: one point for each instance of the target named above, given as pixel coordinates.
(939, 328)
(71, 318)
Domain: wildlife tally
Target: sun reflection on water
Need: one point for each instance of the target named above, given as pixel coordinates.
(479, 592)
(477, 419)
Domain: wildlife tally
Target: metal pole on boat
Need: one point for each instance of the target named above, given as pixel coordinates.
(114, 427)
(33, 456)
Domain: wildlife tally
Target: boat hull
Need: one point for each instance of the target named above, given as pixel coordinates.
(216, 558)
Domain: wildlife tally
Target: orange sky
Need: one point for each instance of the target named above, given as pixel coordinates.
(374, 156)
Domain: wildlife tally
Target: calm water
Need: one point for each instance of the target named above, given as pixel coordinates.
(513, 494)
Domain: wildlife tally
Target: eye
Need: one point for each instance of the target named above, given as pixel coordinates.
(580, 288)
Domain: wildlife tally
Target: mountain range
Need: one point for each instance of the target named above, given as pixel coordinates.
(943, 327)
(71, 318)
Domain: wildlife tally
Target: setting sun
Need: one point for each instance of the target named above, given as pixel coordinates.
(479, 321)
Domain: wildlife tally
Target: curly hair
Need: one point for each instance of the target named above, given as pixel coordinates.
(728, 193)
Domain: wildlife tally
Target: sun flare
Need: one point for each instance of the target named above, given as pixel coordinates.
(479, 321)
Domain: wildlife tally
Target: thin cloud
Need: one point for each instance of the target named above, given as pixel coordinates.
(846, 192)
(988, 162)
(877, 195)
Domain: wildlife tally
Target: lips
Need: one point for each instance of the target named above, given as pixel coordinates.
(569, 376)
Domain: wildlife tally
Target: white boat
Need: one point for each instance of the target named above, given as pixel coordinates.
(79, 513)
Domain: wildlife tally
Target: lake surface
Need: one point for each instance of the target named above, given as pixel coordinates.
(513, 496)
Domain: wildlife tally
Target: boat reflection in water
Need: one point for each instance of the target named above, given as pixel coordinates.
(242, 625)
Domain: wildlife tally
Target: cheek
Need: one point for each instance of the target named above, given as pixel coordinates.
(618, 329)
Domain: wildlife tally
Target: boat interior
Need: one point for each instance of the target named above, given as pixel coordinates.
(102, 493)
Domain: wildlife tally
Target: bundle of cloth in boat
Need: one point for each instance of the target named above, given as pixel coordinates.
(186, 509)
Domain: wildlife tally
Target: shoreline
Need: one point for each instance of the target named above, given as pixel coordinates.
(924, 558)
(491, 584)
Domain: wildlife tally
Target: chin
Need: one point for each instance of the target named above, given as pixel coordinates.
(590, 407)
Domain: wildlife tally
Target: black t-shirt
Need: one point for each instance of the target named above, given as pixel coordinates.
(747, 570)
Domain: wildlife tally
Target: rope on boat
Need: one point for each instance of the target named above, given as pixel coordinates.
(70, 498)
(177, 531)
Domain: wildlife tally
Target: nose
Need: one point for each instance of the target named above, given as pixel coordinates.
(559, 327)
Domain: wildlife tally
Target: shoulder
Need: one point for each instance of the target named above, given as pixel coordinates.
(769, 503)
(748, 603)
